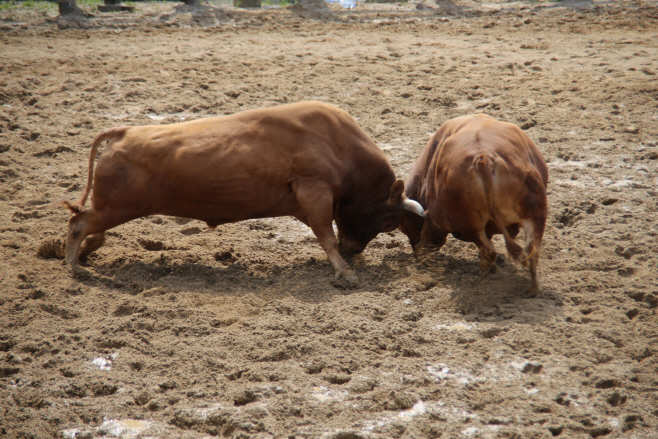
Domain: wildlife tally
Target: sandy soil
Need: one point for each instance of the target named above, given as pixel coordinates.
(172, 330)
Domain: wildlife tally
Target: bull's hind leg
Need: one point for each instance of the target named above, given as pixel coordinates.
(316, 200)
(534, 231)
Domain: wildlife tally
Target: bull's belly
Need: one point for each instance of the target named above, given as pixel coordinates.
(214, 208)
(221, 211)
(215, 217)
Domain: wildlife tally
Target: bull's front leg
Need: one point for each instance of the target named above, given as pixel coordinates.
(316, 200)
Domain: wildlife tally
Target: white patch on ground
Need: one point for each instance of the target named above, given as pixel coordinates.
(628, 184)
(387, 146)
(104, 363)
(441, 372)
(628, 181)
(485, 432)
(530, 390)
(126, 427)
(418, 409)
(456, 413)
(70, 433)
(204, 412)
(323, 394)
(570, 183)
(119, 428)
(457, 326)
(505, 371)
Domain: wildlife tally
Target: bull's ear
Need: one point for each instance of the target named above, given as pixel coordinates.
(396, 193)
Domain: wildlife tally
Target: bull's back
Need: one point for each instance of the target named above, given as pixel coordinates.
(445, 178)
(475, 135)
(229, 168)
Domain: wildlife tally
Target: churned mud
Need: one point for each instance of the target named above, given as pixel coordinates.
(173, 330)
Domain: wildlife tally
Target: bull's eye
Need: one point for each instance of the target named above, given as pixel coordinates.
(388, 227)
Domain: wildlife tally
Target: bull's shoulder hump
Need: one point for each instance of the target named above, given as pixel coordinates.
(292, 109)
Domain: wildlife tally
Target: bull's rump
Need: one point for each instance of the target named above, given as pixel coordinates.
(229, 168)
(459, 192)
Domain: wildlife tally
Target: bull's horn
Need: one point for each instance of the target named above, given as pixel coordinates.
(413, 206)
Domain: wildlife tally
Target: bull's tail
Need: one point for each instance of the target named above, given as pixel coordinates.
(485, 166)
(104, 135)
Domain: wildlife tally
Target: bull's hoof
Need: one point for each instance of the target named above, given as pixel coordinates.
(488, 269)
(533, 292)
(349, 276)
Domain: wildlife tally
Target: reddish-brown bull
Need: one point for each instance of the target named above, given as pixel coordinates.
(307, 160)
(478, 177)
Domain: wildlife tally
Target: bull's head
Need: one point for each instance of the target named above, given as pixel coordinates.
(374, 217)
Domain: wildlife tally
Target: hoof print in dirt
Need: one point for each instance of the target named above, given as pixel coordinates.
(68, 373)
(607, 383)
(532, 368)
(222, 323)
(6, 344)
(244, 397)
(191, 231)
(600, 431)
(29, 398)
(568, 217)
(155, 405)
(8, 371)
(650, 299)
(398, 400)
(156, 291)
(362, 386)
(563, 399)
(103, 389)
(75, 391)
(633, 421)
(616, 399)
(627, 252)
(492, 332)
(36, 294)
(225, 256)
(142, 398)
(314, 367)
(168, 385)
(337, 378)
(609, 201)
(136, 366)
(149, 245)
(123, 310)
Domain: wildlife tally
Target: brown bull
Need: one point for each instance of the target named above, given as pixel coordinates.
(307, 160)
(475, 178)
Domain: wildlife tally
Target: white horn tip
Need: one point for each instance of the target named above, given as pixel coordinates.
(413, 206)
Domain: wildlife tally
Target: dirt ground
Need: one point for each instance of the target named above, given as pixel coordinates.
(172, 330)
